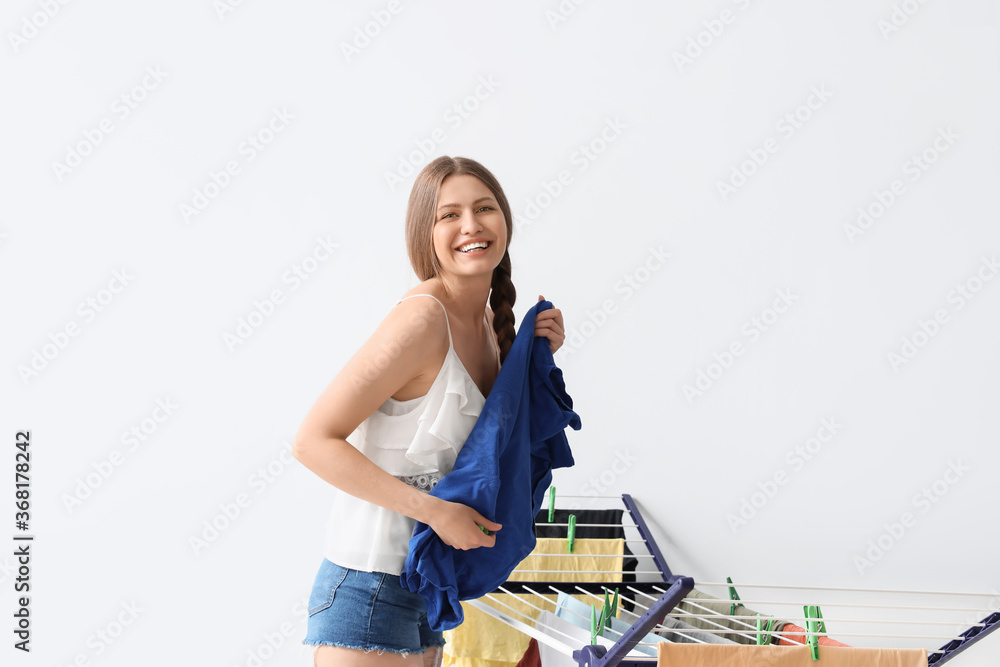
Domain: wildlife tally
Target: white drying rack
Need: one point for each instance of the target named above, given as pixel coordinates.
(659, 596)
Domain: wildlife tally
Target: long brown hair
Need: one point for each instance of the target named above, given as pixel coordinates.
(420, 242)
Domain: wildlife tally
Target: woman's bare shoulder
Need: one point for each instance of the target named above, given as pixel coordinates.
(395, 355)
(430, 286)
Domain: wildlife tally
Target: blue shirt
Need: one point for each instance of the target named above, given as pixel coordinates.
(502, 471)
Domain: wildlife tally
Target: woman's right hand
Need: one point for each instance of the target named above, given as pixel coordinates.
(458, 526)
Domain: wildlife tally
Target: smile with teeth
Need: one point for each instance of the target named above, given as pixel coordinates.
(478, 246)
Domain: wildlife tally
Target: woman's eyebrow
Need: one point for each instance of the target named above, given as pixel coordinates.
(459, 205)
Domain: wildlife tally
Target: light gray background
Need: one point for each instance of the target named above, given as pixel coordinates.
(556, 81)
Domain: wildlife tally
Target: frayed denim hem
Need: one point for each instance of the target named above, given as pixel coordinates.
(378, 649)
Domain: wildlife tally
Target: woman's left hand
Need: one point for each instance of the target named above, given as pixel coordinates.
(549, 323)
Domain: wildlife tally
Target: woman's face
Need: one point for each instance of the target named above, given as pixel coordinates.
(466, 212)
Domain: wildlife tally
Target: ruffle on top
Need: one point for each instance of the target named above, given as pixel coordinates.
(423, 434)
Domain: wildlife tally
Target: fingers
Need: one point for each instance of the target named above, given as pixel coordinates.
(551, 327)
(550, 316)
(491, 526)
(480, 540)
(467, 530)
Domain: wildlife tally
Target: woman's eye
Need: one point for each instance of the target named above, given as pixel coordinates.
(477, 210)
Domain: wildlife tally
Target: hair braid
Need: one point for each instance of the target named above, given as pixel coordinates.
(502, 298)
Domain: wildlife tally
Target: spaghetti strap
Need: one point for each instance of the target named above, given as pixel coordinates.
(450, 342)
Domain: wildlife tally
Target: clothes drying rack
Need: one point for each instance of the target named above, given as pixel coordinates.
(660, 595)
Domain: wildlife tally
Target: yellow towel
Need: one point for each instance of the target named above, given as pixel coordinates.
(483, 641)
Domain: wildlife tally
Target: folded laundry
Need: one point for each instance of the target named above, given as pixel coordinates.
(737, 655)
(563, 631)
(591, 524)
(531, 658)
(579, 613)
(571, 635)
(484, 641)
(744, 622)
(793, 634)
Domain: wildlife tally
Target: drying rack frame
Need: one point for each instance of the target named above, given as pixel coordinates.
(596, 655)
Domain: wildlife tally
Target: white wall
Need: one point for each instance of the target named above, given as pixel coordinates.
(557, 82)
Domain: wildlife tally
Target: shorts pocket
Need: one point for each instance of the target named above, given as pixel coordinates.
(328, 580)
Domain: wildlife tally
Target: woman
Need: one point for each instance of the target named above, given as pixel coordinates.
(407, 400)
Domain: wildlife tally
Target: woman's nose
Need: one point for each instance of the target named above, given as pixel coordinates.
(470, 223)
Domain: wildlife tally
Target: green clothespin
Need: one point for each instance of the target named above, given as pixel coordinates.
(552, 504)
(614, 607)
(606, 610)
(571, 535)
(596, 628)
(733, 595)
(483, 528)
(764, 632)
(814, 625)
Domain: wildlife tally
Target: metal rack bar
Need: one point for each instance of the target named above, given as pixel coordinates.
(969, 637)
(647, 537)
(569, 586)
(740, 584)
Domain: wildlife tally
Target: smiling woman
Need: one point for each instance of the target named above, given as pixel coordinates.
(391, 423)
(470, 238)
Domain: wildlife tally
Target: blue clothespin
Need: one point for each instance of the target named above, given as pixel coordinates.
(571, 534)
(552, 504)
(733, 595)
(814, 625)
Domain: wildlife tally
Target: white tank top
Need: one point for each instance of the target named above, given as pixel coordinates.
(415, 440)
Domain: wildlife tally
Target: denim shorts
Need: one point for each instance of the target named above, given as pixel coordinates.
(368, 611)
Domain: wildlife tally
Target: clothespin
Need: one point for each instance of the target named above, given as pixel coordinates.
(733, 595)
(571, 535)
(814, 625)
(811, 639)
(764, 632)
(612, 609)
(552, 504)
(596, 628)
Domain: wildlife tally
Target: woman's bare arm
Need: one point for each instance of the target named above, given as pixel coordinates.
(395, 354)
